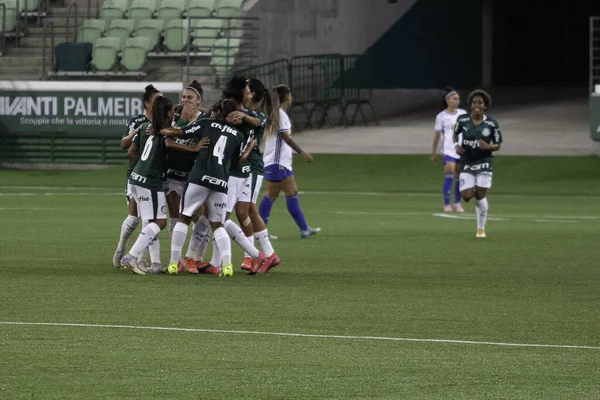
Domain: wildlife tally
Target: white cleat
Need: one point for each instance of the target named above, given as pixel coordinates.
(309, 232)
(117, 258)
(480, 233)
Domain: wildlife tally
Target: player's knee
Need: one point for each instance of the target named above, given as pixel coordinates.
(185, 219)
(467, 195)
(162, 223)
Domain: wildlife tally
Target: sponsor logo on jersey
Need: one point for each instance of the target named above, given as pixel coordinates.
(224, 128)
(192, 129)
(245, 168)
(477, 167)
(486, 132)
(214, 181)
(137, 177)
(220, 205)
(471, 143)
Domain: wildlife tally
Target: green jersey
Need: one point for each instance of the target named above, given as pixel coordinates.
(179, 163)
(212, 166)
(149, 170)
(257, 165)
(133, 124)
(243, 170)
(475, 159)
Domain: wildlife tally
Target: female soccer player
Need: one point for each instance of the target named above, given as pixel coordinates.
(476, 137)
(132, 221)
(146, 179)
(178, 163)
(207, 183)
(444, 128)
(278, 166)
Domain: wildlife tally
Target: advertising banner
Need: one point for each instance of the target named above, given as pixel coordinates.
(94, 108)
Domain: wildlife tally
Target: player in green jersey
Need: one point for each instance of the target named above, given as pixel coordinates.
(476, 137)
(132, 221)
(147, 181)
(207, 183)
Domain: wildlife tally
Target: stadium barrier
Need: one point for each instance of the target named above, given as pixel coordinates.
(323, 85)
(594, 84)
(69, 122)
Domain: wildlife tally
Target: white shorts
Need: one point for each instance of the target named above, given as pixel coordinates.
(151, 204)
(196, 195)
(469, 181)
(256, 182)
(128, 194)
(173, 185)
(238, 189)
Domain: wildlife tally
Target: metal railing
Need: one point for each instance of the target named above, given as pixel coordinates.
(48, 24)
(594, 55)
(232, 44)
(89, 7)
(72, 6)
(3, 8)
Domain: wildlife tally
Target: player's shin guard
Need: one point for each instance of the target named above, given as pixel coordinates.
(293, 206)
(154, 248)
(223, 243)
(457, 196)
(146, 236)
(238, 236)
(265, 242)
(199, 240)
(264, 209)
(127, 229)
(177, 240)
(447, 188)
(482, 210)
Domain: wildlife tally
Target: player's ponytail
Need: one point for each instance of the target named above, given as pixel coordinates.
(270, 104)
(149, 91)
(160, 114)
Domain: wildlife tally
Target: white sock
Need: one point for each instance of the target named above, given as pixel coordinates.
(199, 239)
(127, 228)
(177, 240)
(215, 261)
(146, 236)
(481, 210)
(238, 236)
(251, 240)
(265, 242)
(144, 254)
(223, 243)
(154, 248)
(172, 223)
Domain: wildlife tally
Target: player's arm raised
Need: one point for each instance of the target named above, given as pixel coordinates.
(202, 144)
(127, 140)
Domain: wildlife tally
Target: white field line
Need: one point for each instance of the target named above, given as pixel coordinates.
(302, 335)
(468, 216)
(311, 192)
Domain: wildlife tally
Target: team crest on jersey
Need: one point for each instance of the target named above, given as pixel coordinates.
(486, 132)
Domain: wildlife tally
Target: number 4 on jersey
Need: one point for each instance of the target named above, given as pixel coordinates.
(219, 150)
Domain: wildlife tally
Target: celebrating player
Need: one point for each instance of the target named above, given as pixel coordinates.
(278, 166)
(444, 128)
(132, 221)
(207, 183)
(146, 179)
(476, 136)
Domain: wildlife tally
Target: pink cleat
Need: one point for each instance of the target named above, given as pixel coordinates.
(270, 262)
(447, 208)
(458, 208)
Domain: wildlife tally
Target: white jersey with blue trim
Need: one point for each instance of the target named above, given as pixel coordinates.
(277, 151)
(444, 124)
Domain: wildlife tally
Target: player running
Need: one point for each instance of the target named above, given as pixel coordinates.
(278, 166)
(444, 128)
(147, 180)
(132, 221)
(476, 137)
(207, 183)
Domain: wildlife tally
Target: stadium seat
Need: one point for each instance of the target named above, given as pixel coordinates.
(104, 54)
(31, 5)
(141, 10)
(176, 35)
(223, 55)
(205, 33)
(200, 8)
(150, 29)
(228, 8)
(113, 9)
(169, 10)
(11, 15)
(133, 56)
(121, 29)
(91, 30)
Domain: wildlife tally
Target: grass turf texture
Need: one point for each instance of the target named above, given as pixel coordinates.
(384, 265)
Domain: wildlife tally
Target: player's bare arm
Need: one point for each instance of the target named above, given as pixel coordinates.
(202, 144)
(132, 153)
(127, 140)
(247, 151)
(436, 142)
(288, 139)
(489, 146)
(171, 132)
(246, 119)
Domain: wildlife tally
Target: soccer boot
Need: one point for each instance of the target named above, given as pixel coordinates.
(270, 262)
(131, 263)
(309, 232)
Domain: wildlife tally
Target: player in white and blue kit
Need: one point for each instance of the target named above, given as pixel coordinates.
(278, 166)
(444, 129)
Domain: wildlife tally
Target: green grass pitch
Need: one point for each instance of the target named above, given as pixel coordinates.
(384, 266)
